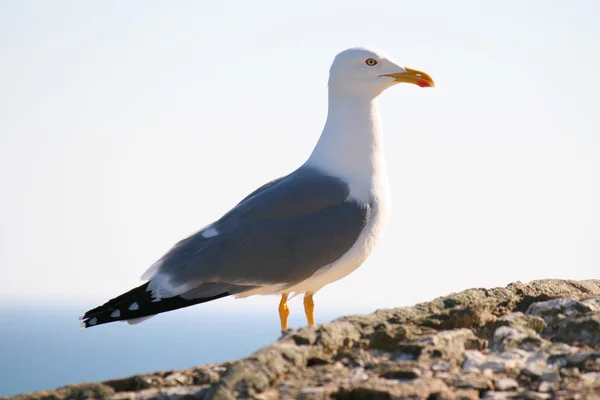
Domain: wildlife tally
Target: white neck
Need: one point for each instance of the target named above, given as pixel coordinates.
(351, 145)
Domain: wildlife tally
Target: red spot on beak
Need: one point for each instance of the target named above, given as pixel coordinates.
(423, 83)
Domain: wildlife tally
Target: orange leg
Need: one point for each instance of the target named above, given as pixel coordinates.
(309, 309)
(284, 312)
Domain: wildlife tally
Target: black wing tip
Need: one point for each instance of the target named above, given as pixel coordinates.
(89, 322)
(138, 303)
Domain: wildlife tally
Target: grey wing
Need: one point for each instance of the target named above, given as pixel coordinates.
(280, 234)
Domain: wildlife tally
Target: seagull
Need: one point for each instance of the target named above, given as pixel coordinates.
(297, 233)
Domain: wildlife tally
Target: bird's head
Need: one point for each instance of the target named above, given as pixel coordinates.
(362, 69)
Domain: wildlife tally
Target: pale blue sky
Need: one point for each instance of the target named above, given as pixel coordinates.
(125, 126)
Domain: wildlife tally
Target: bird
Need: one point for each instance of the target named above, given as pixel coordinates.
(295, 234)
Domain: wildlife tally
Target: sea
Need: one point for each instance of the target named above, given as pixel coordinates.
(43, 347)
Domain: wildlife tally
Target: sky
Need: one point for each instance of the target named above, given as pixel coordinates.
(126, 126)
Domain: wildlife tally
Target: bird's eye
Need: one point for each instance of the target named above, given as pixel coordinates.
(371, 61)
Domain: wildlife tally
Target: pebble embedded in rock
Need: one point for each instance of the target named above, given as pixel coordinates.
(506, 384)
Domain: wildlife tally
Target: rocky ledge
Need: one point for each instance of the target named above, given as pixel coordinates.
(539, 340)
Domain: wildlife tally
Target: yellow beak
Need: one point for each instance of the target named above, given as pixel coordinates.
(413, 76)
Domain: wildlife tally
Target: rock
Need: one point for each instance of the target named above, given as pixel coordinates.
(520, 320)
(506, 384)
(545, 387)
(506, 338)
(509, 361)
(473, 360)
(552, 308)
(492, 395)
(401, 373)
(527, 341)
(531, 395)
(169, 393)
(441, 365)
(591, 378)
(571, 320)
(593, 303)
(478, 382)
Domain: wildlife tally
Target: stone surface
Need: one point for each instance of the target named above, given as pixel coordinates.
(527, 341)
(506, 384)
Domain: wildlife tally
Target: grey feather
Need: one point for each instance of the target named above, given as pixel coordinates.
(206, 290)
(282, 233)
